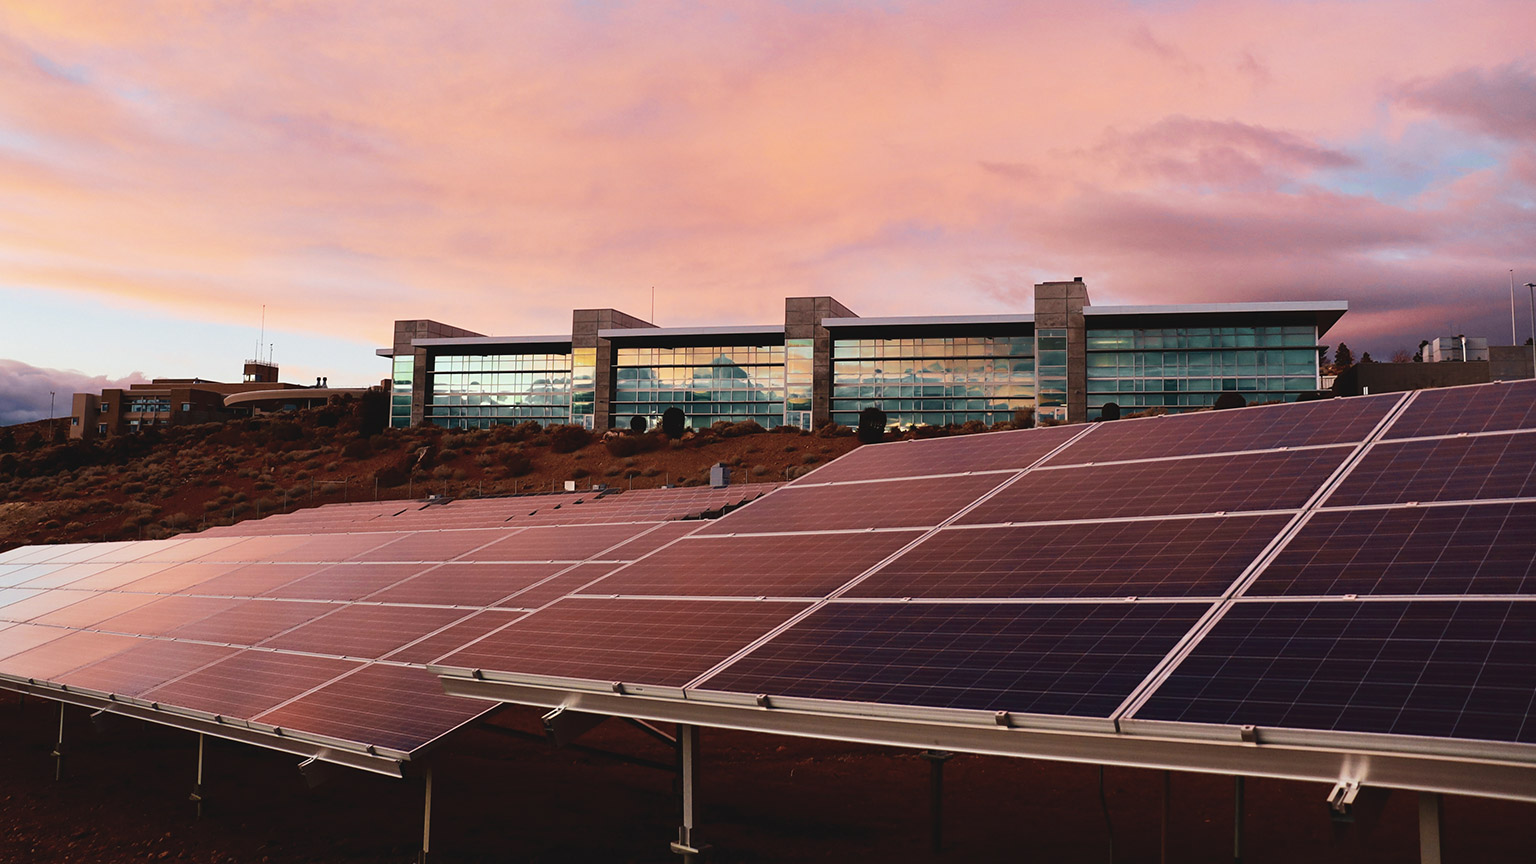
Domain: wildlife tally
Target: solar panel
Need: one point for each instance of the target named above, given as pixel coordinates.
(346, 581)
(657, 642)
(1481, 408)
(367, 632)
(431, 545)
(24, 573)
(144, 664)
(16, 638)
(466, 584)
(652, 540)
(1444, 669)
(244, 685)
(798, 565)
(118, 575)
(896, 504)
(395, 707)
(179, 577)
(997, 451)
(64, 575)
(554, 588)
(41, 603)
(1295, 424)
(1453, 549)
(1151, 558)
(252, 621)
(1443, 469)
(94, 609)
(1207, 484)
(70, 651)
(13, 595)
(254, 580)
(454, 636)
(545, 543)
(164, 615)
(1078, 659)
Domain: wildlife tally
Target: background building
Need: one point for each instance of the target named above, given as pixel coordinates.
(1065, 361)
(165, 402)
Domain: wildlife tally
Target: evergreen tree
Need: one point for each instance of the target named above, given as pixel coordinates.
(1343, 358)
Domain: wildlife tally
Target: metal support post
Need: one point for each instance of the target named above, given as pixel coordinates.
(1237, 824)
(1109, 825)
(1429, 828)
(936, 760)
(197, 788)
(687, 844)
(1167, 810)
(426, 816)
(58, 748)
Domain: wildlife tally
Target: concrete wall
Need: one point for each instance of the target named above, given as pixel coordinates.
(1398, 377)
(802, 320)
(1058, 306)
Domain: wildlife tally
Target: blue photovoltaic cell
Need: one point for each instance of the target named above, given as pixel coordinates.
(1168, 487)
(1451, 549)
(1442, 469)
(1263, 427)
(993, 451)
(1079, 659)
(1144, 558)
(1442, 669)
(1483, 408)
(898, 504)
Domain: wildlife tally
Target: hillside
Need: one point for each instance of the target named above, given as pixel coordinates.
(166, 481)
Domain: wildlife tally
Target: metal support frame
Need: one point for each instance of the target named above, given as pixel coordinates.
(1429, 827)
(197, 787)
(58, 748)
(426, 814)
(1341, 800)
(1109, 824)
(1167, 813)
(1237, 820)
(936, 760)
(687, 844)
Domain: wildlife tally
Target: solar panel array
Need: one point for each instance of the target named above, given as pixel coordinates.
(319, 623)
(1351, 566)
(1137, 570)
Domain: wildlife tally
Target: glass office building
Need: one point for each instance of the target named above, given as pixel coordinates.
(1066, 361)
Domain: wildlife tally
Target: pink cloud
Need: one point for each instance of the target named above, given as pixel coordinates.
(495, 165)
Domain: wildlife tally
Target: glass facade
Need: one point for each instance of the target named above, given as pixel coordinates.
(799, 381)
(400, 391)
(480, 390)
(583, 383)
(708, 383)
(1051, 381)
(1189, 367)
(933, 381)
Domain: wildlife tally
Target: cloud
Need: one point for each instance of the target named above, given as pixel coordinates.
(495, 165)
(1499, 101)
(24, 390)
(1187, 151)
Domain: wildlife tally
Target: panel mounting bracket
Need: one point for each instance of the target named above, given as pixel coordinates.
(1342, 799)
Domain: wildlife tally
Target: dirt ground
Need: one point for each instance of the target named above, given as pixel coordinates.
(765, 799)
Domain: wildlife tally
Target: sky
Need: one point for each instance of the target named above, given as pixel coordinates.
(170, 167)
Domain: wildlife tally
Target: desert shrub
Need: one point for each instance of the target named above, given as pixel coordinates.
(518, 463)
(1024, 418)
(579, 472)
(392, 475)
(569, 439)
(286, 431)
(971, 427)
(442, 472)
(810, 458)
(623, 445)
(357, 448)
(759, 470)
(735, 430)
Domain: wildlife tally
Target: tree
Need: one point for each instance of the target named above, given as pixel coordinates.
(673, 421)
(637, 424)
(372, 412)
(1402, 355)
(1366, 358)
(871, 425)
(1343, 358)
